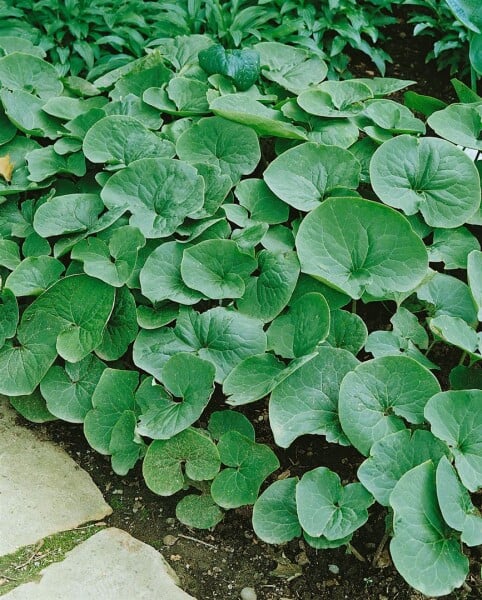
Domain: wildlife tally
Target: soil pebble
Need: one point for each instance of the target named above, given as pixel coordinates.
(248, 593)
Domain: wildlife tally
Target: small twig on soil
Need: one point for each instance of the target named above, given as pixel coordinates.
(31, 558)
(466, 587)
(380, 548)
(193, 539)
(3, 576)
(355, 553)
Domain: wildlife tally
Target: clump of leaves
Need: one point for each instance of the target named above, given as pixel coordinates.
(167, 236)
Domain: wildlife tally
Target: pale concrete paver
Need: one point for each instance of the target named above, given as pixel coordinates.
(111, 565)
(42, 490)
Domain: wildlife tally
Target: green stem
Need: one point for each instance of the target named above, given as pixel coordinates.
(432, 344)
(473, 79)
(353, 306)
(462, 358)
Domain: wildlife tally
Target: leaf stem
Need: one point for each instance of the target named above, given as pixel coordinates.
(462, 358)
(353, 306)
(355, 552)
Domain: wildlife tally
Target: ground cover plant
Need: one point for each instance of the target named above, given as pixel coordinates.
(202, 224)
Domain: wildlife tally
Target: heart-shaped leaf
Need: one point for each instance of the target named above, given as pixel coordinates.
(199, 511)
(125, 446)
(121, 328)
(275, 519)
(242, 66)
(19, 71)
(222, 421)
(347, 331)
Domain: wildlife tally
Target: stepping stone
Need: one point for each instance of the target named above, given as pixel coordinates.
(110, 565)
(42, 490)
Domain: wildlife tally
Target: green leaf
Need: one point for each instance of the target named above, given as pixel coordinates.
(267, 294)
(182, 96)
(68, 390)
(46, 162)
(256, 376)
(16, 151)
(347, 331)
(275, 519)
(359, 246)
(250, 463)
(185, 377)
(139, 80)
(32, 408)
(8, 315)
(306, 402)
(222, 421)
(458, 123)
(159, 192)
(406, 325)
(426, 105)
(200, 512)
(190, 452)
(34, 245)
(71, 213)
(465, 378)
(113, 263)
(118, 140)
(474, 275)
(113, 395)
(310, 316)
(242, 66)
(323, 543)
(390, 116)
(9, 254)
(25, 111)
(456, 506)
(452, 246)
(447, 295)
(428, 175)
(121, 328)
(260, 201)
(133, 106)
(468, 12)
(31, 74)
(160, 277)
(335, 98)
(232, 147)
(34, 275)
(123, 446)
(457, 332)
(379, 394)
(248, 111)
(305, 174)
(155, 317)
(395, 454)
(217, 268)
(456, 418)
(327, 508)
(423, 548)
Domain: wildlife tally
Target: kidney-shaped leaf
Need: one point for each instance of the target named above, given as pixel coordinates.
(327, 508)
(424, 550)
(250, 463)
(361, 246)
(456, 418)
(159, 192)
(275, 519)
(458, 123)
(394, 455)
(71, 213)
(379, 394)
(426, 175)
(199, 511)
(186, 377)
(31, 74)
(190, 452)
(306, 402)
(305, 174)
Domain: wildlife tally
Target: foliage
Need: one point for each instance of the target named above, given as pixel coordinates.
(168, 238)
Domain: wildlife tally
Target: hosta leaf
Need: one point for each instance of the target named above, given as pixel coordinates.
(232, 147)
(68, 390)
(160, 277)
(190, 452)
(347, 331)
(428, 175)
(306, 402)
(456, 506)
(118, 140)
(113, 395)
(474, 274)
(394, 455)
(455, 417)
(217, 268)
(159, 192)
(361, 246)
(222, 421)
(423, 548)
(67, 214)
(114, 262)
(275, 519)
(34, 275)
(186, 377)
(200, 512)
(123, 446)
(248, 111)
(121, 328)
(458, 123)
(307, 173)
(256, 376)
(327, 508)
(379, 394)
(250, 463)
(267, 294)
(31, 74)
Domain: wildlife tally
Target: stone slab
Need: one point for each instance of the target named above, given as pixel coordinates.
(42, 490)
(110, 565)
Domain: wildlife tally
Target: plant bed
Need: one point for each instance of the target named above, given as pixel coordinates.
(192, 228)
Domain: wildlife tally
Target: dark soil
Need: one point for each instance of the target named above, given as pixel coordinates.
(218, 564)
